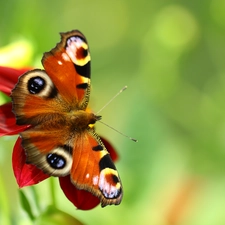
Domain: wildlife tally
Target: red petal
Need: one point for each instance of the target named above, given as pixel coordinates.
(26, 174)
(81, 199)
(9, 77)
(8, 121)
(113, 154)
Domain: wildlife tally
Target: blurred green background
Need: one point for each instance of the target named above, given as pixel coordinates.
(171, 55)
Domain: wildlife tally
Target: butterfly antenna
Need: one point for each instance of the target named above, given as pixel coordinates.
(132, 139)
(123, 89)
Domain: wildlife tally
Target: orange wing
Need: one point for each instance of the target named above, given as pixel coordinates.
(68, 66)
(62, 87)
(93, 169)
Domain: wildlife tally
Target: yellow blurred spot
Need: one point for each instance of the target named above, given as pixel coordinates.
(17, 54)
(175, 27)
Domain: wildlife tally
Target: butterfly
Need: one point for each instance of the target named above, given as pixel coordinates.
(61, 139)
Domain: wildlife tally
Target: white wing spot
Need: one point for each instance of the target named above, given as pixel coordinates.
(95, 180)
(65, 57)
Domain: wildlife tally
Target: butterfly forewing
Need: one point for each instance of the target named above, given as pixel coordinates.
(71, 56)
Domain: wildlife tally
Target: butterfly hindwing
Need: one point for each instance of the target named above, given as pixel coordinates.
(94, 170)
(47, 148)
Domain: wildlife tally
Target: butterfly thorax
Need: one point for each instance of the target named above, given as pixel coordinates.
(80, 120)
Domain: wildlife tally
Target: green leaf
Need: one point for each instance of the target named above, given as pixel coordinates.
(26, 205)
(54, 216)
(35, 197)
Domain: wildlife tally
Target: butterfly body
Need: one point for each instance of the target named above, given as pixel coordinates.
(61, 139)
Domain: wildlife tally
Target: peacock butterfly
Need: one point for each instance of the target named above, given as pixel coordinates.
(61, 139)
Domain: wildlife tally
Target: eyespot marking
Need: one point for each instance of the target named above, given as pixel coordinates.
(109, 183)
(36, 85)
(77, 50)
(39, 83)
(56, 161)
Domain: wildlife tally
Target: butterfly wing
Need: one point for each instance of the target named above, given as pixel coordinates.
(93, 169)
(48, 148)
(83, 156)
(68, 65)
(62, 87)
(49, 100)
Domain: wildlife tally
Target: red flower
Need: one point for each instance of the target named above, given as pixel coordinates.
(28, 174)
